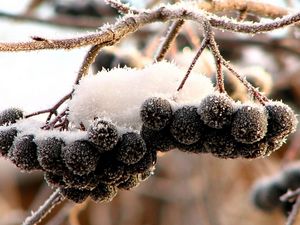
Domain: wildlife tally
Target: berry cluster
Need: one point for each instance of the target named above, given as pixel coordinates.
(219, 125)
(97, 166)
(266, 194)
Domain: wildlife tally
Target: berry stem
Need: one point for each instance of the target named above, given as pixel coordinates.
(292, 216)
(202, 47)
(170, 37)
(44, 209)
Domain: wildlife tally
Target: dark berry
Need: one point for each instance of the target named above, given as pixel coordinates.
(196, 148)
(187, 127)
(265, 194)
(49, 154)
(7, 137)
(10, 116)
(249, 124)
(146, 163)
(216, 110)
(81, 157)
(146, 174)
(252, 151)
(86, 181)
(74, 194)
(158, 140)
(282, 121)
(103, 193)
(131, 182)
(104, 134)
(131, 148)
(109, 170)
(156, 113)
(221, 144)
(291, 176)
(23, 153)
(54, 180)
(274, 144)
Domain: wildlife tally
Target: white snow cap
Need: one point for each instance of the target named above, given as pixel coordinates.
(118, 94)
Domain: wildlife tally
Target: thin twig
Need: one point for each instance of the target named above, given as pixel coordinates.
(44, 209)
(121, 7)
(132, 23)
(170, 37)
(292, 216)
(290, 195)
(202, 47)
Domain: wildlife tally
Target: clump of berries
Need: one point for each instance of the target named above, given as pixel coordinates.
(218, 125)
(266, 193)
(97, 166)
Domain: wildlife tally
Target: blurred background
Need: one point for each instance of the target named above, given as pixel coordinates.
(186, 189)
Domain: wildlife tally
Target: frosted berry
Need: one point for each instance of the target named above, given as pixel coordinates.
(156, 113)
(131, 182)
(252, 151)
(103, 193)
(9, 116)
(158, 140)
(216, 110)
(49, 154)
(131, 148)
(81, 157)
(86, 181)
(104, 134)
(54, 180)
(282, 121)
(146, 163)
(221, 144)
(74, 194)
(249, 124)
(265, 194)
(187, 127)
(23, 153)
(274, 144)
(7, 137)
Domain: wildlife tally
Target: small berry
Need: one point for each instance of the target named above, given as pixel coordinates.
(196, 148)
(131, 182)
(54, 180)
(291, 176)
(249, 124)
(274, 144)
(81, 157)
(86, 181)
(265, 194)
(146, 174)
(146, 163)
(131, 148)
(187, 127)
(252, 151)
(158, 140)
(216, 110)
(10, 116)
(103, 193)
(221, 144)
(74, 194)
(103, 134)
(7, 137)
(156, 113)
(282, 120)
(49, 154)
(23, 153)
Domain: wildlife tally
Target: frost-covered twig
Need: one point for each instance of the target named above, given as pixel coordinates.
(292, 216)
(290, 195)
(122, 8)
(44, 209)
(255, 7)
(133, 22)
(171, 35)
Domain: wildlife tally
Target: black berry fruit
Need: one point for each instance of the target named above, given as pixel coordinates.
(216, 110)
(158, 140)
(145, 164)
(10, 116)
(86, 181)
(249, 124)
(187, 127)
(131, 148)
(252, 151)
(81, 157)
(74, 194)
(103, 193)
(281, 121)
(7, 137)
(104, 134)
(131, 182)
(49, 154)
(23, 153)
(54, 180)
(156, 113)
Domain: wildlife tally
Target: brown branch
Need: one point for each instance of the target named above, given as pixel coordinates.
(122, 8)
(255, 7)
(132, 23)
(202, 47)
(290, 195)
(292, 216)
(171, 35)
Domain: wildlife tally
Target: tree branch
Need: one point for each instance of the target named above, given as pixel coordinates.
(131, 23)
